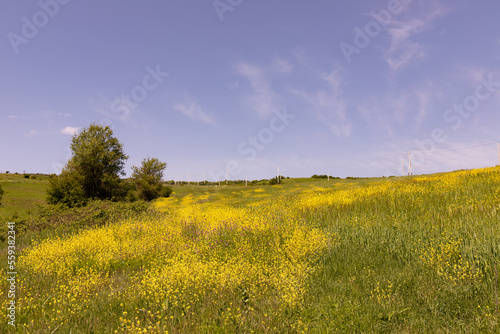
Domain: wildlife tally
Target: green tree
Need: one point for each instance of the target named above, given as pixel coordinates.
(94, 170)
(148, 179)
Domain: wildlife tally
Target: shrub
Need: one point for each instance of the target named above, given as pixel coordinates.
(95, 213)
(1, 194)
(67, 190)
(26, 176)
(148, 181)
(166, 191)
(273, 181)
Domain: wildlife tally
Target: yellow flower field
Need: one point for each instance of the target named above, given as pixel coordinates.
(371, 254)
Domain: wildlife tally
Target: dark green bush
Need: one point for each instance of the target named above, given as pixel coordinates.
(166, 191)
(273, 181)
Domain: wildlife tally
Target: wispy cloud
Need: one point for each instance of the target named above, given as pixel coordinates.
(323, 95)
(18, 117)
(399, 110)
(329, 104)
(262, 99)
(282, 66)
(40, 115)
(192, 109)
(403, 51)
(69, 130)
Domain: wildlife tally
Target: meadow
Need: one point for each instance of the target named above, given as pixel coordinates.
(400, 255)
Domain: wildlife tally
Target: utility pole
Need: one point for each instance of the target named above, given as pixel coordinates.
(410, 171)
(403, 162)
(328, 176)
(219, 180)
(498, 152)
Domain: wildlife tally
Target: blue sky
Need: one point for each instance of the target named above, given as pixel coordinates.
(319, 87)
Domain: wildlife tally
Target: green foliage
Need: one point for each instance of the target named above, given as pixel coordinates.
(166, 191)
(274, 181)
(95, 213)
(324, 177)
(1, 194)
(66, 189)
(60, 219)
(148, 181)
(94, 170)
(26, 176)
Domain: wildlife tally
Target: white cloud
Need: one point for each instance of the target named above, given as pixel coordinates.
(193, 110)
(329, 104)
(18, 117)
(399, 110)
(263, 100)
(69, 130)
(282, 66)
(403, 51)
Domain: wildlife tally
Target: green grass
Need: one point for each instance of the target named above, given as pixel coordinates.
(376, 278)
(22, 195)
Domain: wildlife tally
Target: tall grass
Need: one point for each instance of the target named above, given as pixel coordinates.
(395, 255)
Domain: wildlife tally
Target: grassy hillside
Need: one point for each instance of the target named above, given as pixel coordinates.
(398, 255)
(22, 195)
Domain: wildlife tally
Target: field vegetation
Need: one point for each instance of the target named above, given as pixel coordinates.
(401, 255)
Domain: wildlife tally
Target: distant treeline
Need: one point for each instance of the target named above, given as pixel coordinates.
(324, 177)
(229, 182)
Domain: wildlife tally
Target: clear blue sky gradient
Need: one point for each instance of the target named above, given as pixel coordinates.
(344, 88)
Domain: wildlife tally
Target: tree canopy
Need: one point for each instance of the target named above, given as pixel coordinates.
(148, 179)
(94, 170)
